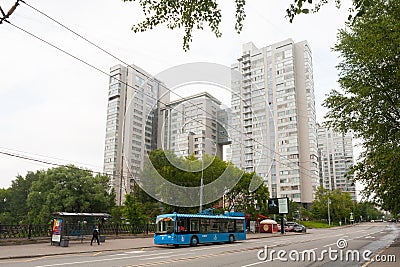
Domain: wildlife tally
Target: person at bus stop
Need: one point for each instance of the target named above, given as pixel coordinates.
(95, 235)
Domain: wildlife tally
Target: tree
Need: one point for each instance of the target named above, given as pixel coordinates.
(164, 176)
(16, 199)
(366, 211)
(294, 210)
(339, 208)
(193, 14)
(235, 182)
(133, 210)
(369, 103)
(67, 189)
(5, 210)
(241, 199)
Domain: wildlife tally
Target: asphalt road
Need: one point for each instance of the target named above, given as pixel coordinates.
(318, 247)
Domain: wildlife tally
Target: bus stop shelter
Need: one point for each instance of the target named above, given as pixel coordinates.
(70, 225)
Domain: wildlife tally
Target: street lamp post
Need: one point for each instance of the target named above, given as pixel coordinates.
(5, 202)
(329, 215)
(201, 182)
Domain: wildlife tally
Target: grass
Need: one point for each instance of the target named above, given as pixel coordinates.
(315, 224)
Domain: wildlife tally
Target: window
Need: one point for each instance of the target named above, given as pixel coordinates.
(194, 225)
(139, 81)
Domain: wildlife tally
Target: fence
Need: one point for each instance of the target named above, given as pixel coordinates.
(28, 231)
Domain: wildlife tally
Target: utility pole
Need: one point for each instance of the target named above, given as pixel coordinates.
(121, 181)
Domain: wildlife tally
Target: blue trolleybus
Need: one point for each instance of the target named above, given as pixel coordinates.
(191, 229)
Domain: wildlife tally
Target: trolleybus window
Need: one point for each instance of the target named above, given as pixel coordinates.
(194, 225)
(165, 225)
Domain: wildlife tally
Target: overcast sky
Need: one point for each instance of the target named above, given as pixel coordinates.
(53, 107)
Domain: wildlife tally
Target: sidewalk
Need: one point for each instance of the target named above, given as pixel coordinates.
(384, 258)
(46, 249)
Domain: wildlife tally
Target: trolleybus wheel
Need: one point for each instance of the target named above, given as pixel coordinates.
(194, 241)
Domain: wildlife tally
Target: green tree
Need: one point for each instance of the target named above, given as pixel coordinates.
(239, 198)
(369, 103)
(194, 14)
(68, 189)
(340, 205)
(116, 214)
(151, 207)
(242, 200)
(133, 211)
(16, 198)
(5, 210)
(366, 211)
(294, 210)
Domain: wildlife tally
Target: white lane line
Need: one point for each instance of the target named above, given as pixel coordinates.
(329, 245)
(99, 260)
(135, 252)
(200, 248)
(167, 256)
(252, 264)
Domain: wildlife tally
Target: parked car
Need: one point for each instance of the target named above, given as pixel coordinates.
(290, 226)
(299, 228)
(285, 227)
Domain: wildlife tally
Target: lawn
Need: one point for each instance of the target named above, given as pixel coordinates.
(314, 224)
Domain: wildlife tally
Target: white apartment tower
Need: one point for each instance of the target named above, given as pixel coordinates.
(273, 118)
(132, 124)
(335, 159)
(192, 125)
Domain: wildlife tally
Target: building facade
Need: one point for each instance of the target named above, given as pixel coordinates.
(132, 124)
(194, 125)
(273, 118)
(335, 160)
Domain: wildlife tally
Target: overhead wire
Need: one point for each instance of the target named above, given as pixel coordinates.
(90, 65)
(106, 73)
(9, 13)
(47, 162)
(181, 97)
(17, 151)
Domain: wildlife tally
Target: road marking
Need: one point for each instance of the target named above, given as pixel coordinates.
(98, 253)
(99, 260)
(166, 256)
(200, 248)
(36, 259)
(252, 264)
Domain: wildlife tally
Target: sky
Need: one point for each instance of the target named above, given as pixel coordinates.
(53, 107)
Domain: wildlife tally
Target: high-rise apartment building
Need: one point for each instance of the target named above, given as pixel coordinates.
(335, 159)
(132, 124)
(273, 118)
(194, 125)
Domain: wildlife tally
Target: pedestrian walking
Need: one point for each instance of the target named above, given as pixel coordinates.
(96, 233)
